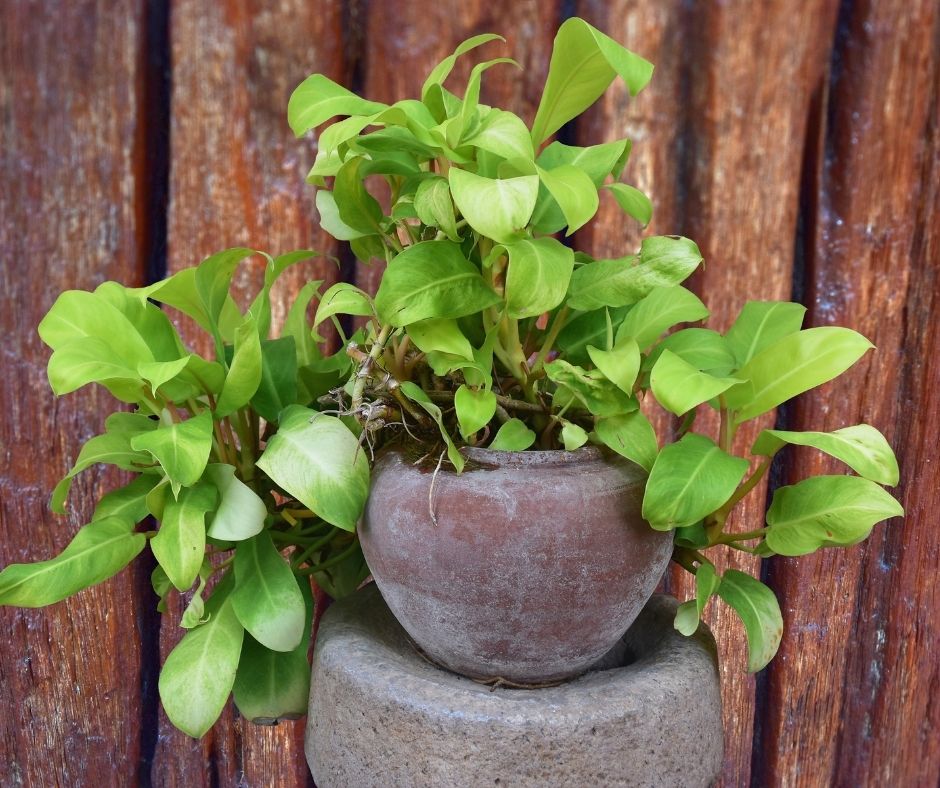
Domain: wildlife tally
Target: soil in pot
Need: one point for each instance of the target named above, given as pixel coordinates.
(528, 566)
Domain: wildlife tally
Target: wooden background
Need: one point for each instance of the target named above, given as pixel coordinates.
(795, 140)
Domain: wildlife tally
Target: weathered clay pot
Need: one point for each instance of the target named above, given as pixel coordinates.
(537, 564)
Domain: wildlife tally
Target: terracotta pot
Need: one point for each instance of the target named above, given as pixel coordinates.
(536, 566)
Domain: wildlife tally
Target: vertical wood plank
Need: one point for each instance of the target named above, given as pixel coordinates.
(852, 698)
(394, 66)
(237, 178)
(720, 137)
(70, 675)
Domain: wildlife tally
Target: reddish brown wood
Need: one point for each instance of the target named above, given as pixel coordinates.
(237, 178)
(719, 139)
(852, 698)
(70, 675)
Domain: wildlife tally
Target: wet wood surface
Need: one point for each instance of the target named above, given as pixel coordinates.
(796, 142)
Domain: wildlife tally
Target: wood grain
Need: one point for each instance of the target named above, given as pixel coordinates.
(237, 178)
(70, 675)
(852, 698)
(719, 140)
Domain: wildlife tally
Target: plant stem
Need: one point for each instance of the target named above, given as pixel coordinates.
(557, 325)
(336, 559)
(362, 375)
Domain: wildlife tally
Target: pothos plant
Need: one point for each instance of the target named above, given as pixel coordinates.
(487, 329)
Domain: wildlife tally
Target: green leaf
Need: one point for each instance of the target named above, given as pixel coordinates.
(442, 70)
(198, 674)
(475, 408)
(128, 502)
(679, 387)
(278, 387)
(416, 394)
(595, 161)
(318, 98)
(275, 685)
(596, 393)
(590, 328)
(690, 613)
(435, 208)
(503, 134)
(244, 374)
(471, 100)
(266, 599)
(702, 348)
(620, 365)
(632, 202)
(98, 551)
(261, 305)
(513, 436)
(357, 208)
(537, 276)
(663, 262)
(296, 325)
(660, 310)
(442, 336)
(180, 544)
(240, 513)
(90, 360)
(497, 209)
(161, 586)
(760, 324)
(77, 314)
(572, 436)
(316, 459)
(431, 279)
(182, 449)
(862, 447)
(343, 299)
(111, 448)
(689, 480)
(826, 511)
(195, 612)
(792, 365)
(212, 279)
(584, 63)
(574, 192)
(631, 436)
(330, 219)
(758, 609)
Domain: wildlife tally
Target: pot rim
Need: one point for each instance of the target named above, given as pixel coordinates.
(529, 459)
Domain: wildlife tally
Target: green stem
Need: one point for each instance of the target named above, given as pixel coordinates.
(336, 559)
(311, 548)
(554, 330)
(362, 375)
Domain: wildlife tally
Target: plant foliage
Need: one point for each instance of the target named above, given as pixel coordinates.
(487, 330)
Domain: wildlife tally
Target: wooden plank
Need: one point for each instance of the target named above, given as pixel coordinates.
(237, 178)
(852, 699)
(70, 103)
(394, 66)
(719, 141)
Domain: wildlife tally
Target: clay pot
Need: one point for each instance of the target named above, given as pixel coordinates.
(533, 566)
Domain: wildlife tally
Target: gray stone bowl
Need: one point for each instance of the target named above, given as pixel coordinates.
(647, 714)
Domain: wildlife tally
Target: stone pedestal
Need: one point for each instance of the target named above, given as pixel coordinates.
(649, 714)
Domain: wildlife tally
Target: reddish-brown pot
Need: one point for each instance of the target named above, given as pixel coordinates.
(536, 566)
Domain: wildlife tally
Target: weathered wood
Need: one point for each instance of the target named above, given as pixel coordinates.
(70, 103)
(237, 178)
(719, 139)
(852, 698)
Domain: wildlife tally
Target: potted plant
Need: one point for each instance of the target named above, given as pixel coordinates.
(499, 384)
